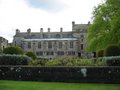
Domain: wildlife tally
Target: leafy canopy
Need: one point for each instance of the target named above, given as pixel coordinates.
(105, 27)
(31, 55)
(13, 50)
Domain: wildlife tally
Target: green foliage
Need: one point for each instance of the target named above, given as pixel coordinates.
(7, 59)
(67, 61)
(32, 55)
(100, 53)
(38, 62)
(1, 51)
(105, 27)
(70, 61)
(112, 50)
(13, 50)
(112, 61)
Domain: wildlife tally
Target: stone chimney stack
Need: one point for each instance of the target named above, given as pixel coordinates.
(48, 29)
(41, 30)
(61, 29)
(17, 31)
(73, 23)
(89, 23)
(29, 30)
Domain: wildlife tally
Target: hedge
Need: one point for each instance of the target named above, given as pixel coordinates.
(112, 50)
(61, 74)
(7, 59)
(112, 61)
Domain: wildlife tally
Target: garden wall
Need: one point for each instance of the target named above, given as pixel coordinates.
(61, 74)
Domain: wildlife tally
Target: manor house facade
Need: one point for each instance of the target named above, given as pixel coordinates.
(54, 44)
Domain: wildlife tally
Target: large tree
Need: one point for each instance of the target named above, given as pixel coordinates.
(105, 26)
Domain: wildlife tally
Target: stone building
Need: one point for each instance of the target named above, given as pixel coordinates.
(3, 43)
(54, 44)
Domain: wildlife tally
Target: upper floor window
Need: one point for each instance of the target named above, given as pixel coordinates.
(71, 44)
(39, 45)
(81, 46)
(60, 44)
(57, 35)
(49, 44)
(82, 36)
(29, 45)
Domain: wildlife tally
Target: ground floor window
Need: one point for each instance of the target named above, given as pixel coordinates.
(60, 53)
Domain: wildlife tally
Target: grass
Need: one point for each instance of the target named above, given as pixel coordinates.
(25, 85)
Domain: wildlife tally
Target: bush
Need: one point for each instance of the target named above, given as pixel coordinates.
(100, 53)
(32, 55)
(38, 62)
(0, 51)
(7, 59)
(13, 50)
(70, 61)
(112, 61)
(112, 50)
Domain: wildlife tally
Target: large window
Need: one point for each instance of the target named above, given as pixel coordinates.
(29, 45)
(49, 44)
(39, 45)
(81, 46)
(60, 44)
(71, 44)
(60, 53)
(49, 53)
(71, 53)
(39, 53)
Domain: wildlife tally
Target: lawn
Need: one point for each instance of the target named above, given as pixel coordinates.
(25, 85)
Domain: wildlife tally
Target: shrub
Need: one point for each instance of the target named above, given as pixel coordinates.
(112, 50)
(100, 53)
(112, 61)
(7, 59)
(0, 51)
(13, 50)
(32, 55)
(38, 62)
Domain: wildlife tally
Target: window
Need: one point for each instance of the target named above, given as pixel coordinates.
(39, 45)
(71, 44)
(82, 36)
(49, 53)
(39, 53)
(57, 35)
(60, 53)
(81, 46)
(71, 53)
(60, 44)
(29, 45)
(49, 44)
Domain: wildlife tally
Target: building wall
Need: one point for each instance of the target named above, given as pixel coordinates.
(3, 43)
(54, 44)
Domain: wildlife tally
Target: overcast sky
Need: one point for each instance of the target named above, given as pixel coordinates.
(36, 14)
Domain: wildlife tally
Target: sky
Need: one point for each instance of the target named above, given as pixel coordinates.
(36, 14)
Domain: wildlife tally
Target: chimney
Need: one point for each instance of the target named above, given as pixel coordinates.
(48, 29)
(29, 30)
(61, 29)
(73, 23)
(41, 30)
(89, 23)
(17, 31)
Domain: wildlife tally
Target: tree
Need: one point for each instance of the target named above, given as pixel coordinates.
(112, 50)
(105, 27)
(13, 50)
(32, 55)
